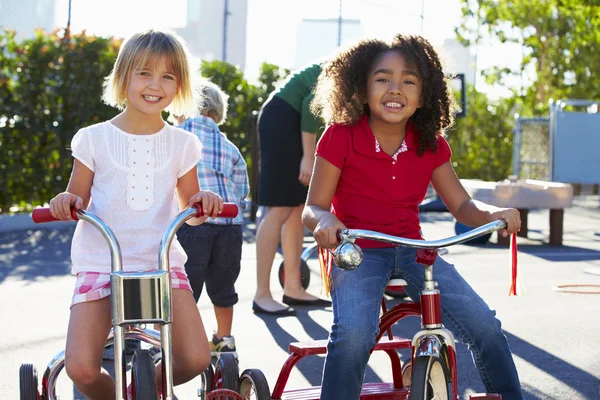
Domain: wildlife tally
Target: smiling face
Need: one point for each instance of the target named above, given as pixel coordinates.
(393, 90)
(152, 88)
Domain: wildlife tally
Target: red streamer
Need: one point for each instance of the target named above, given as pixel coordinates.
(513, 249)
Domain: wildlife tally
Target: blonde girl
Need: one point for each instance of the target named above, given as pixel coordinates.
(135, 172)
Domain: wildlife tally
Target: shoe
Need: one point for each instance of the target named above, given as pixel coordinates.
(224, 345)
(290, 301)
(289, 311)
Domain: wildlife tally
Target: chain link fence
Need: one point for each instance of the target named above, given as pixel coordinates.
(531, 148)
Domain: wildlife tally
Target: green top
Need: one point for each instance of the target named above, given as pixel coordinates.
(297, 92)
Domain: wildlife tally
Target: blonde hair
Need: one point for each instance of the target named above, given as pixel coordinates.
(140, 49)
(213, 101)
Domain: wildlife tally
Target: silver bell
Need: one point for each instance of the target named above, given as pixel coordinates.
(348, 256)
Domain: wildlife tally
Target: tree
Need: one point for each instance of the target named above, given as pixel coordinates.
(50, 87)
(561, 41)
(481, 142)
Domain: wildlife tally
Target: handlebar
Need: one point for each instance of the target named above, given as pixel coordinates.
(350, 235)
(42, 215)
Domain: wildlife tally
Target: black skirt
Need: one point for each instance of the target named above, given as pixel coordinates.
(280, 137)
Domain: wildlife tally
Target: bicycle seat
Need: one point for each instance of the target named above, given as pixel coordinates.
(396, 283)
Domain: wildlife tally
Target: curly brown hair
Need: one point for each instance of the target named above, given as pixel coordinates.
(340, 92)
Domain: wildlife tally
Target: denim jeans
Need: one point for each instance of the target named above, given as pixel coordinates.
(357, 297)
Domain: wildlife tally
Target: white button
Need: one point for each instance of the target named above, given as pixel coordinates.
(393, 177)
(393, 162)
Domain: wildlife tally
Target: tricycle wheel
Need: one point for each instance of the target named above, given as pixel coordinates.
(28, 382)
(254, 385)
(429, 380)
(142, 376)
(227, 373)
(304, 274)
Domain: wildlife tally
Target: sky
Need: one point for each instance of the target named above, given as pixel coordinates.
(272, 24)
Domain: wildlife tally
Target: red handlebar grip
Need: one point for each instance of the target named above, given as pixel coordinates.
(230, 210)
(42, 215)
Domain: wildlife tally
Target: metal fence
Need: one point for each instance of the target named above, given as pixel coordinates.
(531, 148)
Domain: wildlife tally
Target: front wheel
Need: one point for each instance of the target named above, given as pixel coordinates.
(28, 382)
(142, 376)
(429, 380)
(254, 385)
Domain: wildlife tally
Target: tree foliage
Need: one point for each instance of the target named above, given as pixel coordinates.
(482, 142)
(561, 39)
(50, 87)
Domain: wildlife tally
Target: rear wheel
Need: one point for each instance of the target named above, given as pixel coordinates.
(227, 373)
(254, 385)
(304, 274)
(142, 376)
(429, 380)
(28, 382)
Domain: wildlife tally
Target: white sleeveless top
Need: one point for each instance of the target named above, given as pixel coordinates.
(133, 192)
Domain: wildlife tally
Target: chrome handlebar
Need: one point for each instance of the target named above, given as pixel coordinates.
(350, 235)
(349, 256)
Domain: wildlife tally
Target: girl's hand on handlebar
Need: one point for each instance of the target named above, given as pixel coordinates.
(212, 203)
(60, 206)
(326, 231)
(511, 216)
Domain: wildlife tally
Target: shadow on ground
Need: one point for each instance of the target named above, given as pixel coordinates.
(32, 254)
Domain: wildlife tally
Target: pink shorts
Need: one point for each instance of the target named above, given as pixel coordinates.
(92, 286)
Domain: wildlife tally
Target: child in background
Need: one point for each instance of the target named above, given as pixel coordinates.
(214, 248)
(389, 105)
(135, 172)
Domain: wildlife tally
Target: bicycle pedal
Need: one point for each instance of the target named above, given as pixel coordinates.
(485, 396)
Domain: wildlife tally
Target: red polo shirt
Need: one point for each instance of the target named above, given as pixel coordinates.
(377, 191)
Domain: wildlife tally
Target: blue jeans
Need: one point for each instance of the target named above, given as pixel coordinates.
(357, 297)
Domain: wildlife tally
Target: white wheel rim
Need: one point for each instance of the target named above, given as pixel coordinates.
(247, 389)
(437, 381)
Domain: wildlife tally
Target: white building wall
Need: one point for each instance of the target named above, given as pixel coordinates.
(318, 38)
(458, 59)
(204, 30)
(25, 16)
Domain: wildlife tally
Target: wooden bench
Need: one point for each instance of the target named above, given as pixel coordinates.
(524, 196)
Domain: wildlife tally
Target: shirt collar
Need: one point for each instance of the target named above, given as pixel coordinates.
(366, 143)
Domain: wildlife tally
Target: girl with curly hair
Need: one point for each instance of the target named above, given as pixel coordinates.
(388, 106)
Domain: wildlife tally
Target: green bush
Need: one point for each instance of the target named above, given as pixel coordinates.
(482, 142)
(50, 87)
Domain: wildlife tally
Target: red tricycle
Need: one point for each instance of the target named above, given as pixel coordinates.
(432, 371)
(137, 299)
